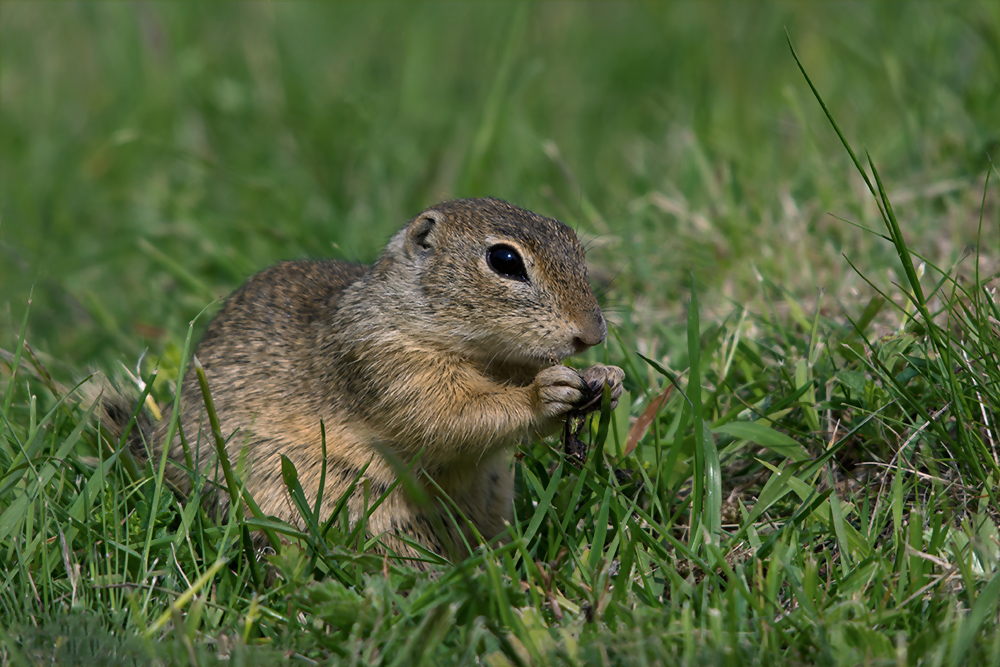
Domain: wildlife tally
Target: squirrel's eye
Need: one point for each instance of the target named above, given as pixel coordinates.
(504, 260)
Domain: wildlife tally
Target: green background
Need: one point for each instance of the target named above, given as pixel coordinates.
(154, 155)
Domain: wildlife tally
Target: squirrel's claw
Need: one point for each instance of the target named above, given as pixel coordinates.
(596, 377)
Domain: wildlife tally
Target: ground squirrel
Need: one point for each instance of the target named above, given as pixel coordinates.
(447, 349)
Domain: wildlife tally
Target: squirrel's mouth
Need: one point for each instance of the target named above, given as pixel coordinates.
(518, 366)
(526, 356)
(531, 361)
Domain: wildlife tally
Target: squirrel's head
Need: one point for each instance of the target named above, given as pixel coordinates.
(498, 282)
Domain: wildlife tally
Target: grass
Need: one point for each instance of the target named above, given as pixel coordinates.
(811, 422)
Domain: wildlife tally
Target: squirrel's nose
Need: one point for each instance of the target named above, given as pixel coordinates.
(591, 334)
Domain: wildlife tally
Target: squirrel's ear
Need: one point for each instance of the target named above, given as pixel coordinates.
(420, 233)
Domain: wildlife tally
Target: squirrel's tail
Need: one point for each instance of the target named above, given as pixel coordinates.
(117, 408)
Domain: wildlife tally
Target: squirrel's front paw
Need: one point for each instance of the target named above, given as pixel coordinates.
(599, 375)
(560, 389)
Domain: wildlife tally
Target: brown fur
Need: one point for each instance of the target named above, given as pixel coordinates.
(427, 353)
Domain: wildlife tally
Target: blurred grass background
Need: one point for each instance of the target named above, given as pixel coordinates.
(153, 155)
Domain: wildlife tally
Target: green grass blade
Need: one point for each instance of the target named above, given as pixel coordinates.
(16, 363)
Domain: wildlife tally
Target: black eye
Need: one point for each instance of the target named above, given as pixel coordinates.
(507, 262)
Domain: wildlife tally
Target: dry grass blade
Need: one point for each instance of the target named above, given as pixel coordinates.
(644, 420)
